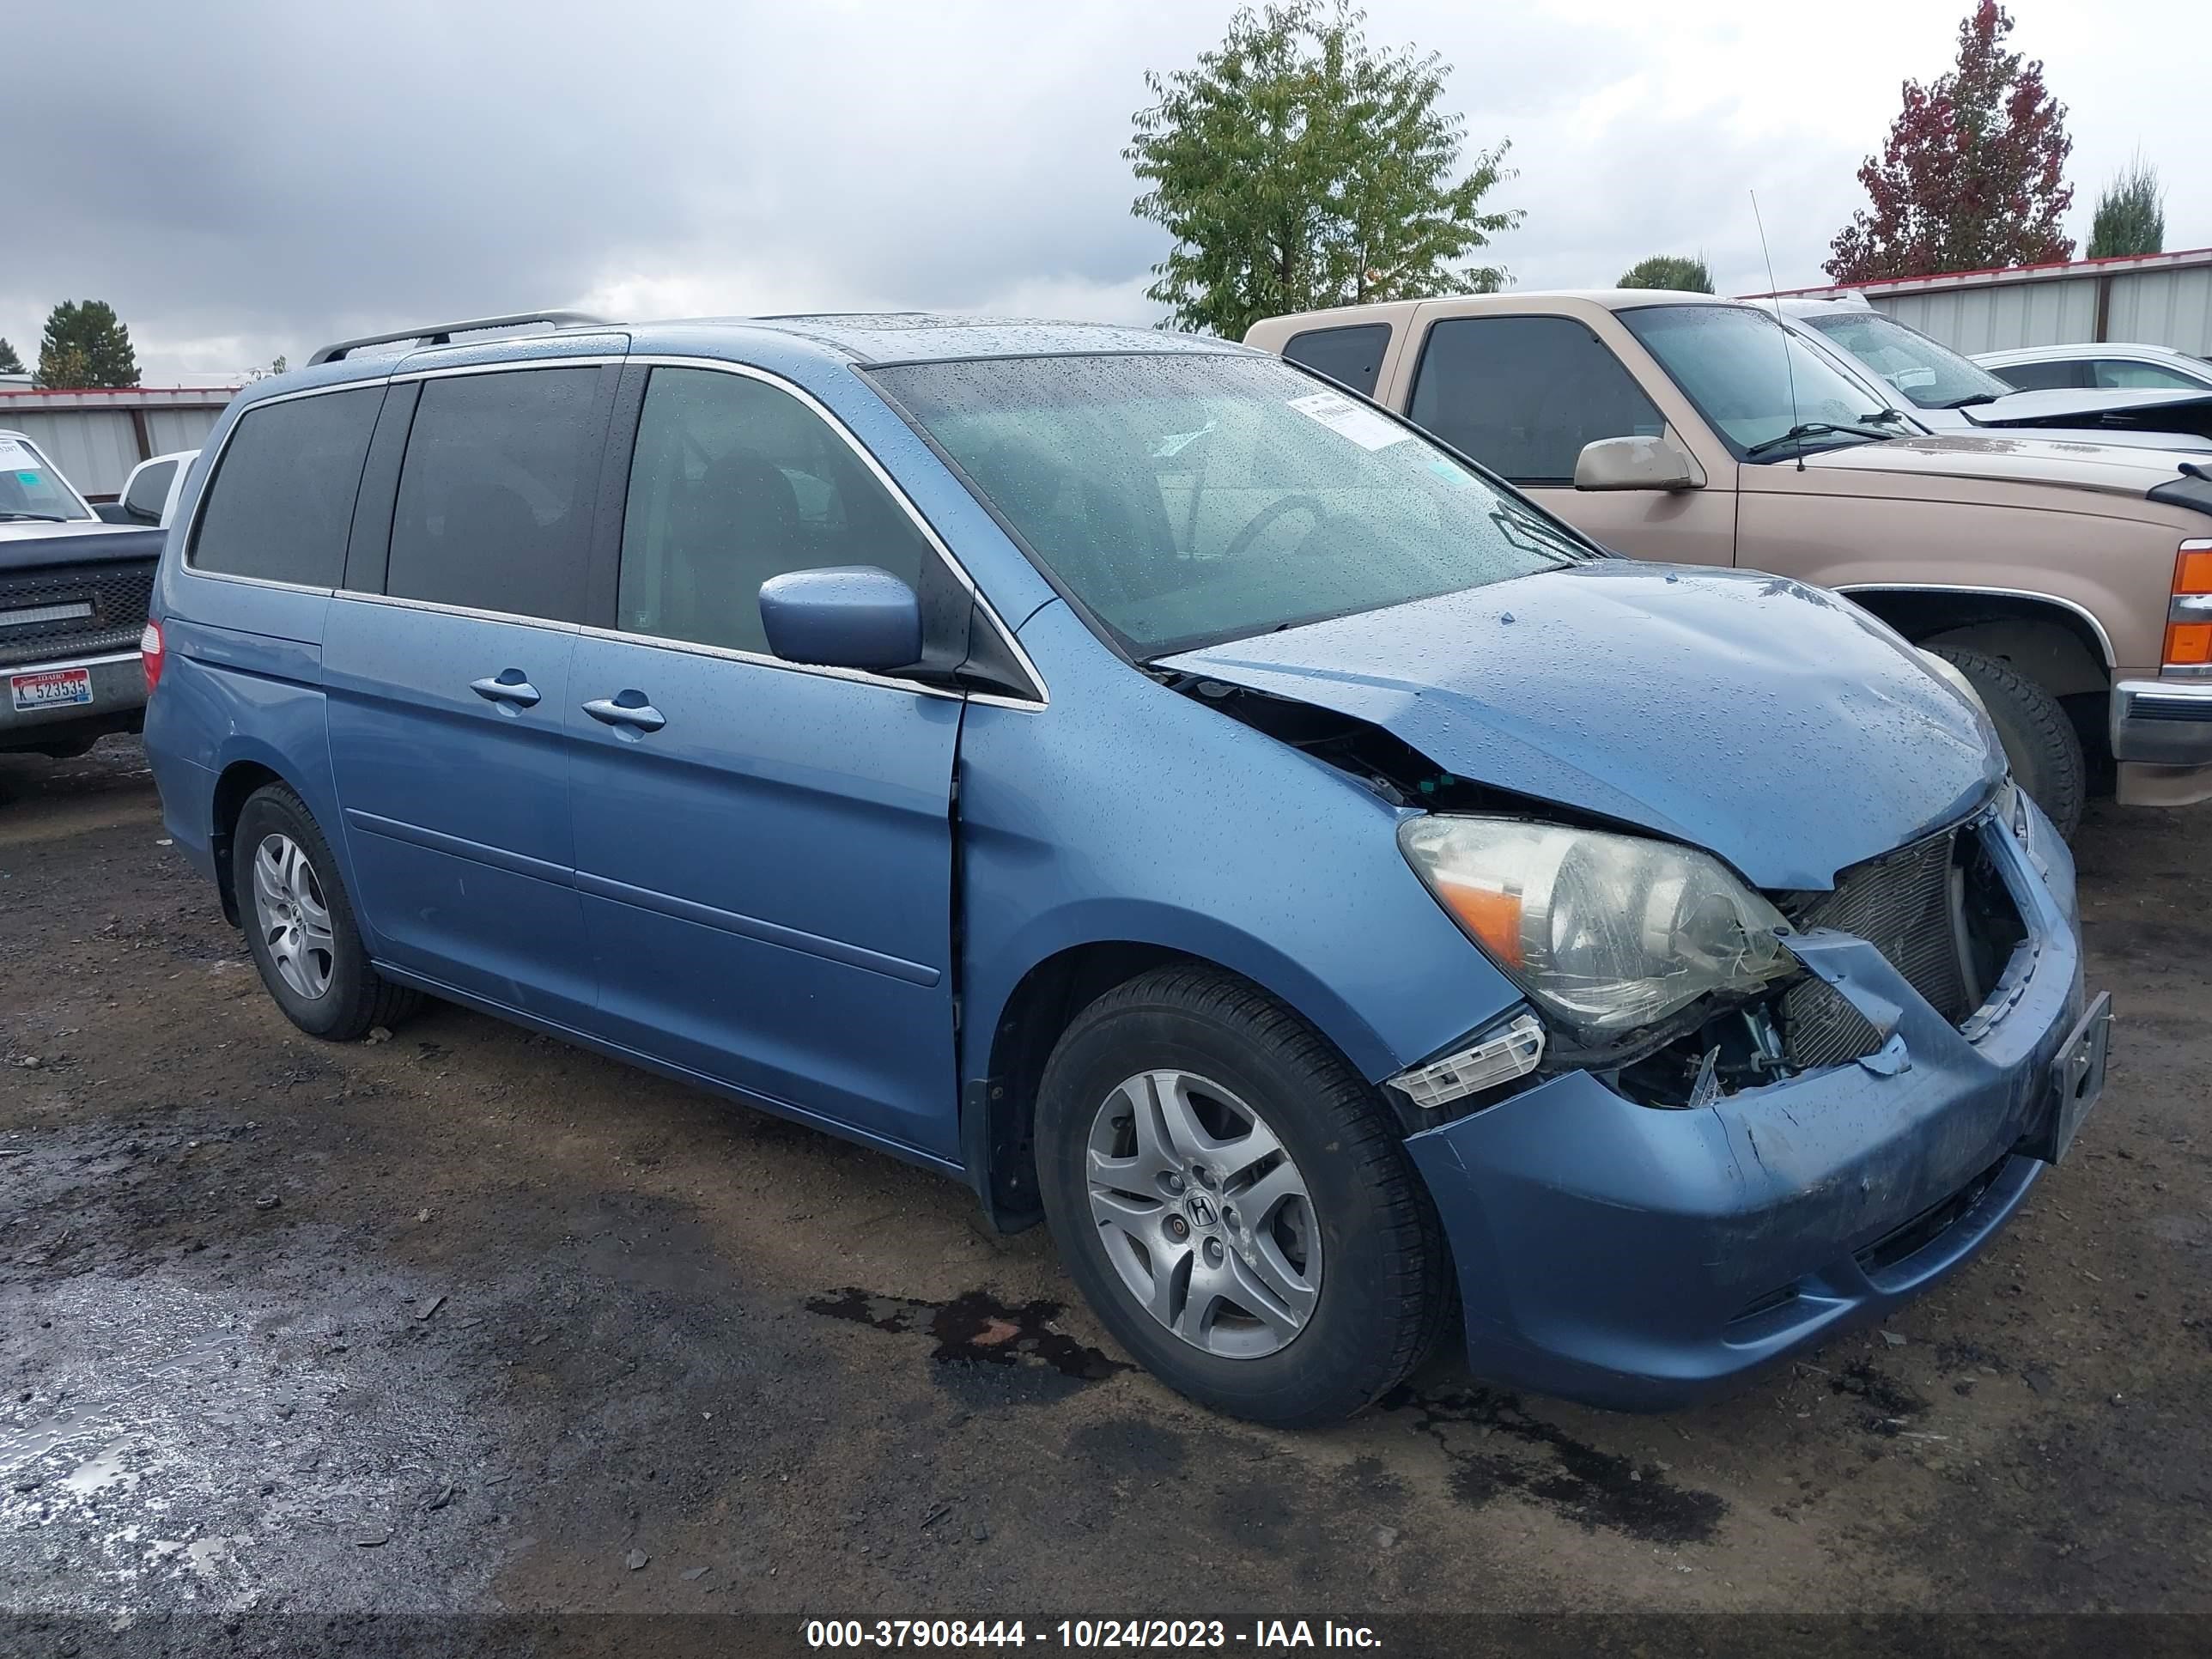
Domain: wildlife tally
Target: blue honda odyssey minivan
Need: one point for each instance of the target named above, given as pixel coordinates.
(1130, 775)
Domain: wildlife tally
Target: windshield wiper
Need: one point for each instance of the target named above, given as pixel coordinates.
(40, 518)
(1805, 429)
(1972, 400)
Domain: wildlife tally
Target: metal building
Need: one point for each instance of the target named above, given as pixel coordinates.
(95, 437)
(2154, 299)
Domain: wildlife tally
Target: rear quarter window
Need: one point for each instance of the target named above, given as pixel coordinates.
(1350, 356)
(280, 501)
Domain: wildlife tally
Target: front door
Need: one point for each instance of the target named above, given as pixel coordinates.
(763, 853)
(447, 686)
(1523, 394)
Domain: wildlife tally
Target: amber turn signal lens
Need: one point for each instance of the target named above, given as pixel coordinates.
(2188, 644)
(2192, 571)
(1492, 916)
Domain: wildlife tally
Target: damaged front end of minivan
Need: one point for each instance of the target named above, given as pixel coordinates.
(1728, 1119)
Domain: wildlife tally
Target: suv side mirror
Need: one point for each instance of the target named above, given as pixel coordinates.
(1660, 463)
(844, 616)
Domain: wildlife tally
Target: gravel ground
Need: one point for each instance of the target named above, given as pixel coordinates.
(466, 1321)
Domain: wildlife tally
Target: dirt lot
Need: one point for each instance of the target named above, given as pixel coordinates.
(466, 1319)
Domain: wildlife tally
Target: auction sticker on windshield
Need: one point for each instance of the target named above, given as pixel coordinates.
(1347, 419)
(55, 687)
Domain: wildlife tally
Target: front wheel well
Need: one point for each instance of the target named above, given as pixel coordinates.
(999, 1111)
(2052, 644)
(232, 791)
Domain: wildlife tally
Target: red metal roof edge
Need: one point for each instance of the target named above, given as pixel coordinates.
(1988, 271)
(112, 391)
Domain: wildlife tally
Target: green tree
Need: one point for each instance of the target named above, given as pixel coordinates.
(1671, 271)
(1297, 167)
(2131, 214)
(10, 362)
(86, 345)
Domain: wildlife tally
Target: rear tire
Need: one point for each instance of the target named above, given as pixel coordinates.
(2040, 743)
(300, 926)
(1337, 1234)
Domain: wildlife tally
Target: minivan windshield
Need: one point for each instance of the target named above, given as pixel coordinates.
(1754, 379)
(1186, 498)
(1926, 371)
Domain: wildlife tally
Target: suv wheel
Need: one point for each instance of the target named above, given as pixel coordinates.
(300, 926)
(2040, 743)
(1235, 1201)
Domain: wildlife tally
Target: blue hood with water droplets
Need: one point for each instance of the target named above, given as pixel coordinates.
(1774, 724)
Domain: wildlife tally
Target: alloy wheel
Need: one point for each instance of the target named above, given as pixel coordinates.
(293, 916)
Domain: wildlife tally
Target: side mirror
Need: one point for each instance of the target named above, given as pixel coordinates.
(1660, 463)
(845, 616)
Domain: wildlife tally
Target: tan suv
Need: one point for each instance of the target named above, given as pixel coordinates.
(2071, 583)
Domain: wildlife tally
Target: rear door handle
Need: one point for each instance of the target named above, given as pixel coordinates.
(511, 685)
(614, 711)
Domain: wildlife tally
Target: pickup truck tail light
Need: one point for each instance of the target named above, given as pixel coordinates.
(2189, 618)
(149, 655)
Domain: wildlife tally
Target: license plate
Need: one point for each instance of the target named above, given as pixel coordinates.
(56, 688)
(2077, 1077)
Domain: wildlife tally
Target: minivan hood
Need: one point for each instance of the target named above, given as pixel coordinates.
(1776, 725)
(2018, 455)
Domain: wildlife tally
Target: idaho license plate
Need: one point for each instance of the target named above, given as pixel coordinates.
(55, 688)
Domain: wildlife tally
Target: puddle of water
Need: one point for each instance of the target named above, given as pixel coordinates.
(104, 1469)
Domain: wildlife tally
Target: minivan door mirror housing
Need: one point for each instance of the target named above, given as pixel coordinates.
(842, 617)
(1660, 463)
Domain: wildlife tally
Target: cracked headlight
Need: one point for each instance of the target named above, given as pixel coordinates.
(1607, 934)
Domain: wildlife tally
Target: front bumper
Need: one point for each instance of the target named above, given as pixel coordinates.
(117, 684)
(1643, 1259)
(2161, 732)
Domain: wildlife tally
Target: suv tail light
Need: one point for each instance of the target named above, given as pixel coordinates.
(149, 654)
(2189, 618)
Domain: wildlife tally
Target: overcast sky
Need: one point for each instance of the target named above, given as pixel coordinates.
(245, 178)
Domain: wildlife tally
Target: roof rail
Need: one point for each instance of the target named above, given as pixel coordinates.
(442, 333)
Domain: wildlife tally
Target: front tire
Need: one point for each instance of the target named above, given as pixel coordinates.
(1235, 1201)
(2040, 743)
(300, 926)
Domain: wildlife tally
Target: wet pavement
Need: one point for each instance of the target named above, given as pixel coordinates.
(464, 1321)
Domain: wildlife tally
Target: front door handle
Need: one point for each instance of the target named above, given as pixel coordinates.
(628, 708)
(512, 686)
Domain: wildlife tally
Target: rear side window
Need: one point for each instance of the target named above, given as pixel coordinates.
(2118, 373)
(733, 482)
(281, 499)
(495, 493)
(1523, 395)
(2062, 376)
(148, 491)
(1350, 357)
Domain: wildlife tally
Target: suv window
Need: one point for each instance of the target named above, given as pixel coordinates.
(1523, 395)
(149, 491)
(734, 481)
(1350, 356)
(2060, 376)
(280, 501)
(496, 492)
(2118, 372)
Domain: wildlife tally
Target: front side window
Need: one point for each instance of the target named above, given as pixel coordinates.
(149, 491)
(281, 502)
(2120, 375)
(734, 481)
(31, 489)
(2060, 376)
(1188, 498)
(1350, 356)
(1752, 378)
(1930, 374)
(1524, 395)
(496, 492)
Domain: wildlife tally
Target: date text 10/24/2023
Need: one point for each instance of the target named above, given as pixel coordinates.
(1262, 1635)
